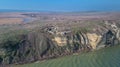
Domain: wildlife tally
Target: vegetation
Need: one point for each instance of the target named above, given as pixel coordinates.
(9, 44)
(90, 59)
(30, 42)
(81, 29)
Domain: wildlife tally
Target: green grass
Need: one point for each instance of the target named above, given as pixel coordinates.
(107, 57)
(9, 39)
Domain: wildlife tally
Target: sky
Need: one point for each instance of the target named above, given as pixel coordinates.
(61, 5)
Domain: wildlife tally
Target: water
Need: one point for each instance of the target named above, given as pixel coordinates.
(107, 57)
(27, 20)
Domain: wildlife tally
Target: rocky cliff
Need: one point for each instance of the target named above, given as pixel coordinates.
(52, 41)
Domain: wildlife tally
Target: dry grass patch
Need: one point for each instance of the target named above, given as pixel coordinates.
(10, 21)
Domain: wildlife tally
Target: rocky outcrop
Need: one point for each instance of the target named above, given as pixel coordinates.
(94, 39)
(61, 41)
(50, 43)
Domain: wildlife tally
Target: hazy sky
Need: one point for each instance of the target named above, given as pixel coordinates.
(62, 5)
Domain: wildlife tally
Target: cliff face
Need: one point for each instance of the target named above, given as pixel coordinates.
(49, 42)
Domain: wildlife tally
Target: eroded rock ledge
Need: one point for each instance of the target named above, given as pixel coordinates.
(54, 41)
